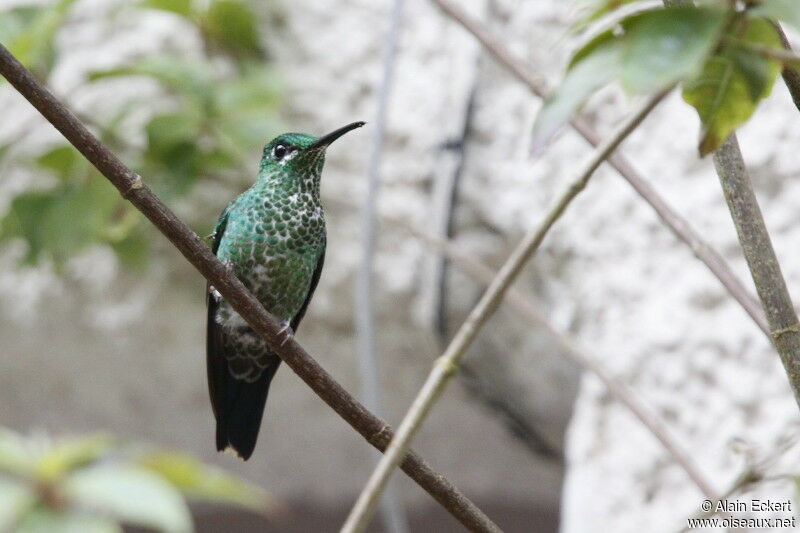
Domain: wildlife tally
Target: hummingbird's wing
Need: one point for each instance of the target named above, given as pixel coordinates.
(295, 323)
(216, 365)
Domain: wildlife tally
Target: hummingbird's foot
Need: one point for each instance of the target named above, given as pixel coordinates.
(228, 266)
(286, 332)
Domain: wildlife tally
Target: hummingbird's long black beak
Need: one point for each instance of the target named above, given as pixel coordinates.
(325, 140)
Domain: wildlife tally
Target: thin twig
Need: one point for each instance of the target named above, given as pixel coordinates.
(618, 389)
(133, 188)
(791, 76)
(677, 224)
(754, 472)
(761, 259)
(787, 57)
(521, 303)
(364, 308)
(446, 364)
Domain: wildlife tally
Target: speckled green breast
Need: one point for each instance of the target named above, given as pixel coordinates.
(273, 239)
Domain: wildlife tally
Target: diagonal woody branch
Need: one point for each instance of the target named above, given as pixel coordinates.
(761, 259)
(131, 186)
(784, 328)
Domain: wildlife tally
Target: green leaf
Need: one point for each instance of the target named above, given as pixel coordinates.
(594, 66)
(69, 454)
(183, 8)
(193, 80)
(755, 71)
(61, 221)
(591, 10)
(727, 91)
(256, 91)
(132, 250)
(662, 46)
(778, 10)
(199, 481)
(63, 160)
(232, 24)
(22, 220)
(168, 131)
(16, 499)
(33, 42)
(130, 495)
(43, 520)
(172, 144)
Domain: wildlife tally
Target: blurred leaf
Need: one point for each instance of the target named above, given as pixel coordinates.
(61, 221)
(22, 221)
(662, 46)
(233, 25)
(63, 160)
(256, 91)
(191, 79)
(165, 132)
(15, 457)
(172, 143)
(199, 481)
(16, 498)
(179, 7)
(595, 65)
(754, 69)
(43, 520)
(727, 91)
(129, 495)
(29, 35)
(69, 454)
(594, 9)
(247, 107)
(778, 10)
(247, 132)
(15, 20)
(132, 250)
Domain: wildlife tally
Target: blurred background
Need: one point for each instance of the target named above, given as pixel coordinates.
(102, 322)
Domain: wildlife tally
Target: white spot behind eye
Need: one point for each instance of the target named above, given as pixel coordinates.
(289, 156)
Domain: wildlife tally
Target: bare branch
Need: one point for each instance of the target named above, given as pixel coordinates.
(618, 389)
(754, 472)
(784, 55)
(133, 188)
(676, 223)
(791, 76)
(446, 364)
(761, 259)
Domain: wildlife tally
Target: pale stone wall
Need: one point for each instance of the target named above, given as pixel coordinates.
(127, 355)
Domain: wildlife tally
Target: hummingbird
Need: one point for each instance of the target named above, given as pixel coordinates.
(272, 237)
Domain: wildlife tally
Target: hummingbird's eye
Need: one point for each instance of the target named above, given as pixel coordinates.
(279, 152)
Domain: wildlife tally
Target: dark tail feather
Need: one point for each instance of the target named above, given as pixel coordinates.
(238, 405)
(239, 417)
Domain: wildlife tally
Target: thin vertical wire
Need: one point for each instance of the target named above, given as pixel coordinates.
(391, 507)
